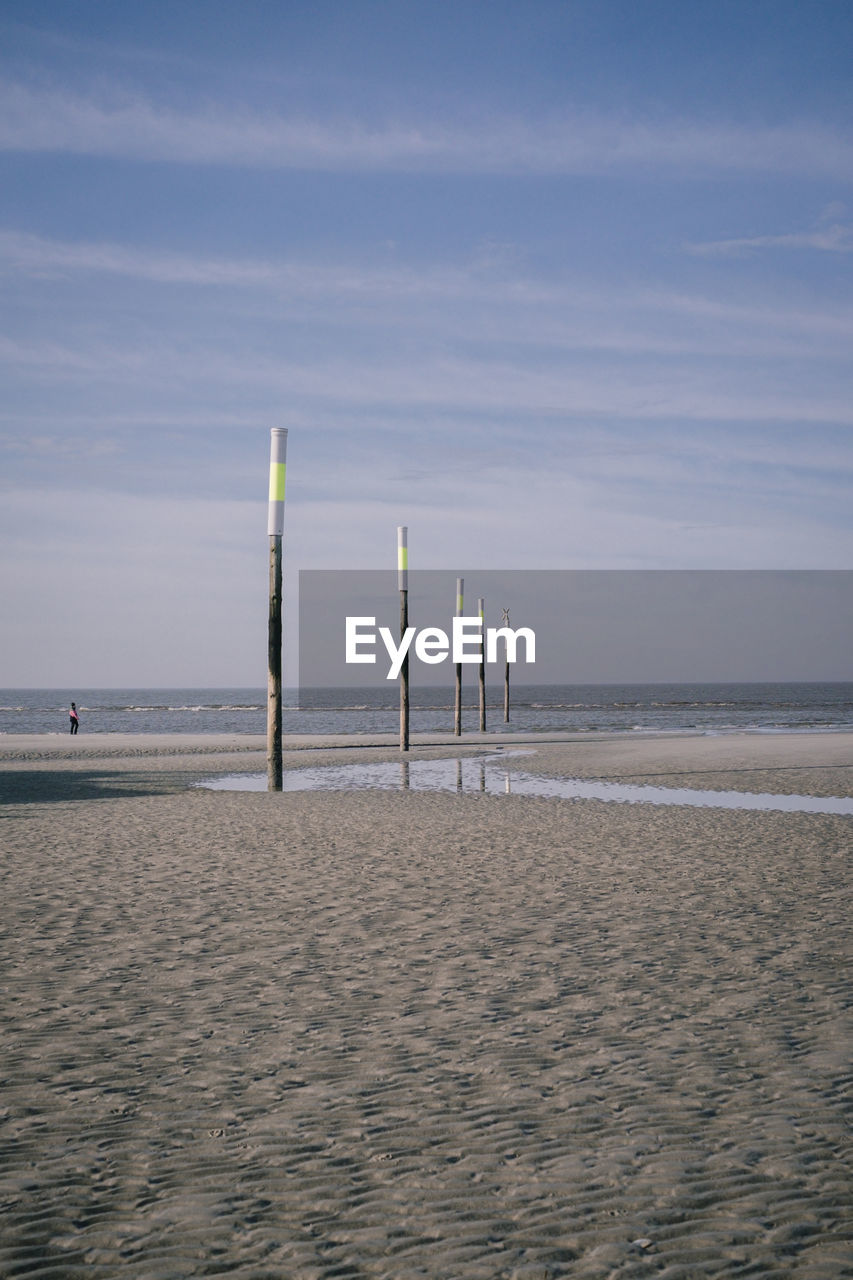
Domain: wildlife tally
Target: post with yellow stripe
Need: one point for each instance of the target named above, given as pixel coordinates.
(481, 608)
(457, 718)
(275, 529)
(505, 623)
(403, 584)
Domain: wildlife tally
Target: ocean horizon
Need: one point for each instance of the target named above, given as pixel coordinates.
(602, 708)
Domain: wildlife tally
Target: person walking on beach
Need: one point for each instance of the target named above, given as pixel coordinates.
(75, 719)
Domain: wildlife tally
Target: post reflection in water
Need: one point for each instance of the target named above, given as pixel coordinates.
(451, 775)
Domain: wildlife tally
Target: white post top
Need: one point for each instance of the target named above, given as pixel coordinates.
(278, 470)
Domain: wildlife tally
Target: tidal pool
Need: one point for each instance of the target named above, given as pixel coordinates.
(490, 775)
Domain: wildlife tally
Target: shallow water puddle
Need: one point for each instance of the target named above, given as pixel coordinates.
(489, 775)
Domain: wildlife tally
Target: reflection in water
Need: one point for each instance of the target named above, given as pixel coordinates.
(489, 775)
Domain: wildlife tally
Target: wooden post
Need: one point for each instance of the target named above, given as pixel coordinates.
(505, 623)
(457, 716)
(403, 584)
(275, 528)
(274, 764)
(481, 606)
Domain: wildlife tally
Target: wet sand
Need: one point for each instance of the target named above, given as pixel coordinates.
(405, 1034)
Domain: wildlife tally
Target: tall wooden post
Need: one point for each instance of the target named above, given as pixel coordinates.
(457, 715)
(481, 606)
(275, 529)
(403, 584)
(505, 623)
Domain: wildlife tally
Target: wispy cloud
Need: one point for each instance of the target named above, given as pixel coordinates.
(564, 312)
(40, 256)
(837, 238)
(496, 386)
(117, 123)
(59, 445)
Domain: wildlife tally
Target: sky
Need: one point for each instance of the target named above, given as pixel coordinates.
(556, 285)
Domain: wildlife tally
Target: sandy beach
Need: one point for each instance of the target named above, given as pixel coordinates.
(410, 1034)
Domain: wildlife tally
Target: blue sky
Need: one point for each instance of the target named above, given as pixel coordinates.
(558, 285)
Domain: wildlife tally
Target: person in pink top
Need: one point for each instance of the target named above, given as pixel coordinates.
(75, 719)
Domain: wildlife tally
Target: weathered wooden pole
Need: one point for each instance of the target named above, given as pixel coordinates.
(457, 715)
(275, 528)
(481, 607)
(505, 623)
(403, 584)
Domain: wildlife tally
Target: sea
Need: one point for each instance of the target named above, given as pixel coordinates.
(599, 708)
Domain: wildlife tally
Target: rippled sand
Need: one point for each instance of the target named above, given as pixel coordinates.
(406, 1035)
